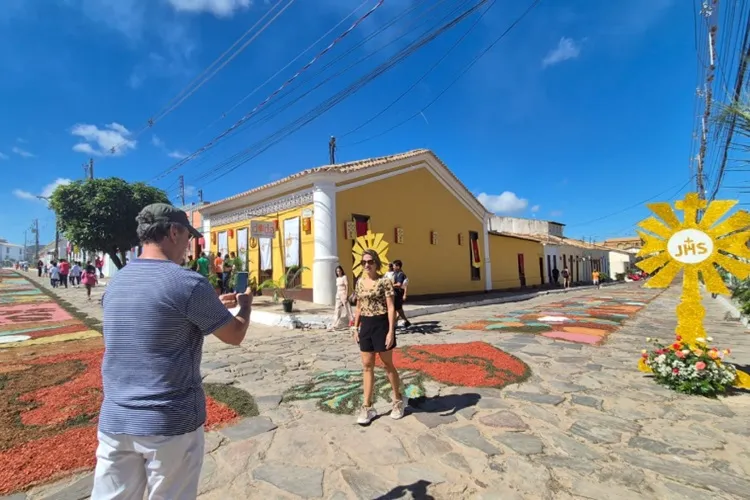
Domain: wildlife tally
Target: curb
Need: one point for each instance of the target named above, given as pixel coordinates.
(292, 321)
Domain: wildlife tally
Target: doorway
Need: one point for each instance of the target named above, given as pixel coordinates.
(521, 271)
(541, 269)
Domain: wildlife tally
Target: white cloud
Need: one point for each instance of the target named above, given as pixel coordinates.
(219, 8)
(556, 213)
(21, 140)
(46, 190)
(20, 152)
(3, 156)
(189, 191)
(535, 209)
(507, 202)
(179, 155)
(50, 188)
(157, 142)
(24, 195)
(566, 49)
(102, 141)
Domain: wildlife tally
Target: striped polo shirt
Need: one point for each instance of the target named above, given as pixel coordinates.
(156, 314)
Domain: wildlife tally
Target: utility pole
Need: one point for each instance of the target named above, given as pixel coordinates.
(25, 257)
(200, 196)
(182, 190)
(332, 150)
(35, 230)
(91, 168)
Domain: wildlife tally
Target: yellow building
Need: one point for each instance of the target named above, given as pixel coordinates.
(517, 260)
(423, 213)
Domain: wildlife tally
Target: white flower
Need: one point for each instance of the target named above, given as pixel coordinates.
(710, 339)
(648, 339)
(701, 340)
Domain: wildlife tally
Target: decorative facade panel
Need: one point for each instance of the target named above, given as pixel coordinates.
(279, 205)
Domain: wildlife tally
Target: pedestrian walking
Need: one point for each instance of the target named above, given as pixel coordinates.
(399, 284)
(39, 268)
(54, 274)
(373, 330)
(566, 277)
(226, 274)
(156, 315)
(89, 280)
(595, 278)
(99, 264)
(75, 274)
(342, 299)
(64, 267)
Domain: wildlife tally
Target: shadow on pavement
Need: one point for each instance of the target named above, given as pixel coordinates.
(423, 327)
(448, 404)
(418, 491)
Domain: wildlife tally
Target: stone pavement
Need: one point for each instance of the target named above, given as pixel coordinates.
(586, 424)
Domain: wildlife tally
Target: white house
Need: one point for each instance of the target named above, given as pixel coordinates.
(620, 261)
(10, 252)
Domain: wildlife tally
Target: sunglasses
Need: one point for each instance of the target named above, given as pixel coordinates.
(367, 262)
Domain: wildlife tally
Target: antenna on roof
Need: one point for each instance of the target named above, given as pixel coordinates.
(332, 150)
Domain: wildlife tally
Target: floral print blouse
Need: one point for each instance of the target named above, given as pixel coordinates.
(372, 302)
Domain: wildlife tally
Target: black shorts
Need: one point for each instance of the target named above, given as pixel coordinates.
(398, 299)
(372, 333)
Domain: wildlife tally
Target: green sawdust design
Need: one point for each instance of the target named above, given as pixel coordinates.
(340, 391)
(468, 359)
(235, 398)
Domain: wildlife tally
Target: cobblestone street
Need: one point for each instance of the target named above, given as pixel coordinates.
(586, 424)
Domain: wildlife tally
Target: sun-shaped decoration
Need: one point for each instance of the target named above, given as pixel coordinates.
(694, 246)
(374, 241)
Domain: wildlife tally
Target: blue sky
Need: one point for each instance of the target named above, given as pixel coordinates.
(584, 109)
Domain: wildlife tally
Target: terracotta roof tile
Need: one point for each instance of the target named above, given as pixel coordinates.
(348, 167)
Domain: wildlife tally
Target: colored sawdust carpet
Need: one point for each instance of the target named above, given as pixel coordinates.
(585, 320)
(473, 364)
(51, 391)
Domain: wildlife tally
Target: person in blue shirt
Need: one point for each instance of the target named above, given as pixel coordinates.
(156, 315)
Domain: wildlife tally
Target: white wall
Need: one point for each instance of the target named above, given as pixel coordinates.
(518, 225)
(9, 251)
(620, 262)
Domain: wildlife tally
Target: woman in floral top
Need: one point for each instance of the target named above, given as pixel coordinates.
(374, 331)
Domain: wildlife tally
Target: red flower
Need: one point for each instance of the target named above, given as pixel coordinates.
(676, 346)
(679, 338)
(675, 371)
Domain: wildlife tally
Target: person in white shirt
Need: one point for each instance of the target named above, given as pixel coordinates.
(54, 274)
(75, 275)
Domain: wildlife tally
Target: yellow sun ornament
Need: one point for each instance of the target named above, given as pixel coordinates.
(374, 241)
(695, 246)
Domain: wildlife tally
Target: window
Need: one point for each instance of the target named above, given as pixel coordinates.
(474, 259)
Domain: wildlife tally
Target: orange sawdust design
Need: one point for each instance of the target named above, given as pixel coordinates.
(50, 395)
(474, 364)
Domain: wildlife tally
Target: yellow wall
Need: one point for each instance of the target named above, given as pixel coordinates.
(417, 202)
(306, 255)
(504, 252)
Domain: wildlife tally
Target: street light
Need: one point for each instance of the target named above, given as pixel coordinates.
(57, 228)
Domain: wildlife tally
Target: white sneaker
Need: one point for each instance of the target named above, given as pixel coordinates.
(398, 410)
(366, 415)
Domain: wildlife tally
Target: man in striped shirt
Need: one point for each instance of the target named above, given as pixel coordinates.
(156, 314)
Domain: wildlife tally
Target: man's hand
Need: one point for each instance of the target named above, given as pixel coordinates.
(229, 300)
(244, 299)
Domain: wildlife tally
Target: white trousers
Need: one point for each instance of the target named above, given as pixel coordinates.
(170, 466)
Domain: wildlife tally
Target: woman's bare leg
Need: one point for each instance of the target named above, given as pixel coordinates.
(368, 376)
(387, 359)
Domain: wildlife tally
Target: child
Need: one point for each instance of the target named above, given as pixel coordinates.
(89, 279)
(75, 275)
(54, 274)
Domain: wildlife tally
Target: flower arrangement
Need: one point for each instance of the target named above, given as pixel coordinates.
(696, 369)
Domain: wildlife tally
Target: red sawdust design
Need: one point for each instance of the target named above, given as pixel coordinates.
(65, 415)
(474, 325)
(474, 364)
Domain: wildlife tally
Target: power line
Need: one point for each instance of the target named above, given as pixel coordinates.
(246, 117)
(461, 73)
(426, 73)
(640, 203)
(271, 112)
(316, 42)
(193, 87)
(242, 157)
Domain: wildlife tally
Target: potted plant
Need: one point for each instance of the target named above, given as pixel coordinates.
(239, 279)
(215, 282)
(280, 286)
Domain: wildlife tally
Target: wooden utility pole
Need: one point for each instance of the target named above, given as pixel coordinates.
(91, 168)
(200, 196)
(182, 190)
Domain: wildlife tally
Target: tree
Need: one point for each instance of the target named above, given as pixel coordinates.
(99, 214)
